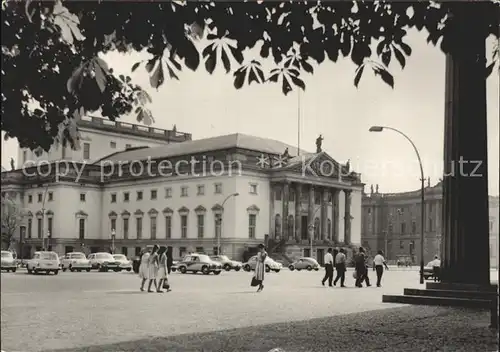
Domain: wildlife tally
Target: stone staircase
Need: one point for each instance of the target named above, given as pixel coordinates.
(452, 295)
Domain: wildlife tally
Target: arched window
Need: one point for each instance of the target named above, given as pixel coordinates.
(277, 225)
(329, 229)
(317, 228)
(291, 233)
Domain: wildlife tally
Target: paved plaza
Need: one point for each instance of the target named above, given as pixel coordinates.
(106, 312)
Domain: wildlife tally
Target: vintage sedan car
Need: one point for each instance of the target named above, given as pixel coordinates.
(227, 264)
(75, 261)
(103, 261)
(199, 262)
(8, 263)
(125, 264)
(47, 262)
(305, 263)
(271, 264)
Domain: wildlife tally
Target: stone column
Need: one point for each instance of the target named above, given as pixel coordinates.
(298, 211)
(324, 214)
(271, 210)
(284, 217)
(465, 243)
(335, 214)
(310, 210)
(347, 217)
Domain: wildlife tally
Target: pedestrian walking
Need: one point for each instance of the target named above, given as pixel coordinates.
(170, 259)
(340, 265)
(260, 268)
(361, 269)
(162, 270)
(436, 268)
(144, 267)
(153, 265)
(328, 261)
(378, 266)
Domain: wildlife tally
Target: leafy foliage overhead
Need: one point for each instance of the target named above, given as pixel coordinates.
(53, 71)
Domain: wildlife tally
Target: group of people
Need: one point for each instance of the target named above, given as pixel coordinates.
(337, 259)
(156, 266)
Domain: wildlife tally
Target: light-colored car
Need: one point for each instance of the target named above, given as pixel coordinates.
(75, 261)
(305, 263)
(103, 261)
(199, 262)
(125, 264)
(271, 264)
(43, 262)
(227, 264)
(9, 263)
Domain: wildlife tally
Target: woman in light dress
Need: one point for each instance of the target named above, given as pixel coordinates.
(144, 268)
(260, 268)
(153, 265)
(163, 270)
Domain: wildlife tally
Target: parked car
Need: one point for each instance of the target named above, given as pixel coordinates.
(75, 261)
(199, 262)
(103, 261)
(227, 264)
(269, 263)
(125, 264)
(43, 262)
(8, 262)
(305, 263)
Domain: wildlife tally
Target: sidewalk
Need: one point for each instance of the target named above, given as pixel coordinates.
(408, 329)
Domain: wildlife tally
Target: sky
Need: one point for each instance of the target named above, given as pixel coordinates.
(208, 105)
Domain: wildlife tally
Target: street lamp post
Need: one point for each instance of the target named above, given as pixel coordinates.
(311, 227)
(422, 193)
(220, 220)
(113, 234)
(43, 216)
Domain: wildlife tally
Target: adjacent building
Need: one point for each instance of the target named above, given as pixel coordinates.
(221, 194)
(392, 223)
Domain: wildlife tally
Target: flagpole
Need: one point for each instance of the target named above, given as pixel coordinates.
(298, 122)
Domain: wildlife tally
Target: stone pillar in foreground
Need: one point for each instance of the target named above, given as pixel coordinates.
(465, 244)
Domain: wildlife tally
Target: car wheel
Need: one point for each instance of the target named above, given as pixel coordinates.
(238, 268)
(277, 270)
(63, 269)
(247, 267)
(217, 272)
(205, 270)
(316, 269)
(29, 270)
(71, 269)
(299, 269)
(291, 267)
(56, 272)
(182, 269)
(128, 269)
(309, 268)
(268, 269)
(98, 267)
(227, 267)
(14, 270)
(88, 270)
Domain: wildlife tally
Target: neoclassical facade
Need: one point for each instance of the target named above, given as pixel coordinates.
(241, 191)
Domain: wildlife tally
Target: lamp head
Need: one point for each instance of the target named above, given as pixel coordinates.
(376, 129)
(236, 194)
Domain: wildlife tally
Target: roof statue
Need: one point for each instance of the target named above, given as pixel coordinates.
(428, 181)
(348, 165)
(376, 188)
(319, 141)
(174, 129)
(12, 164)
(371, 189)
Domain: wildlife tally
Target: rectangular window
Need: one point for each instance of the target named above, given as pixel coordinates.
(252, 221)
(68, 249)
(113, 198)
(81, 229)
(413, 227)
(403, 228)
(184, 225)
(491, 226)
(168, 192)
(253, 188)
(125, 251)
(113, 225)
(30, 198)
(25, 156)
(154, 194)
(215, 250)
(277, 194)
(125, 229)
(39, 229)
(401, 245)
(51, 196)
(182, 252)
(200, 250)
(82, 197)
(112, 145)
(126, 196)
(201, 225)
(291, 195)
(86, 151)
(217, 225)
(139, 195)
(40, 197)
(201, 190)
(317, 198)
(184, 191)
(168, 227)
(390, 229)
(153, 228)
(139, 228)
(137, 251)
(30, 228)
(49, 227)
(218, 188)
(430, 224)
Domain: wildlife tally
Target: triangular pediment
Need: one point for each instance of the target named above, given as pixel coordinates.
(183, 210)
(253, 207)
(200, 209)
(81, 213)
(217, 207)
(112, 214)
(318, 165)
(153, 212)
(139, 212)
(167, 210)
(125, 213)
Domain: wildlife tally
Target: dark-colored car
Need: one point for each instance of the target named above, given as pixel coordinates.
(199, 262)
(227, 264)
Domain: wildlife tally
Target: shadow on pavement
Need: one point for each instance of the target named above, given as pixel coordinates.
(408, 328)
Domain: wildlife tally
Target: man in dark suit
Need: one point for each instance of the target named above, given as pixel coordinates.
(361, 269)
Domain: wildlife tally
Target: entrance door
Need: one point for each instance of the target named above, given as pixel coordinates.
(304, 233)
(307, 252)
(320, 256)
